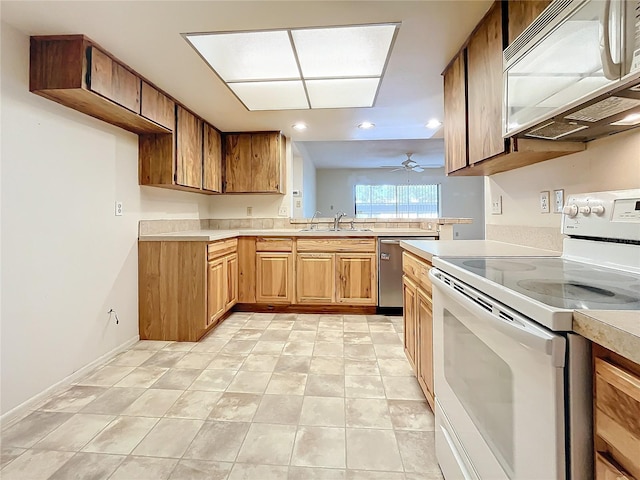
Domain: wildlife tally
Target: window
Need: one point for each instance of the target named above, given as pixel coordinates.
(397, 201)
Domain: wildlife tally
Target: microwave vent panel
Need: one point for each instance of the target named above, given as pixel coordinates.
(554, 130)
(604, 109)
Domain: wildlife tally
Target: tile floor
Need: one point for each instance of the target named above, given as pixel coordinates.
(264, 396)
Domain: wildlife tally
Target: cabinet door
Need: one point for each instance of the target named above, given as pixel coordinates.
(455, 114)
(315, 278)
(274, 277)
(409, 293)
(237, 158)
(266, 161)
(484, 74)
(522, 13)
(212, 160)
(232, 281)
(356, 278)
(424, 344)
(157, 107)
(216, 290)
(111, 80)
(188, 149)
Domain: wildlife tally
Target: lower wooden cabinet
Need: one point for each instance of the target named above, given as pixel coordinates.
(409, 293)
(315, 278)
(274, 277)
(232, 281)
(356, 278)
(424, 344)
(216, 295)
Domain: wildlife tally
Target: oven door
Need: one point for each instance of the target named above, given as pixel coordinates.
(499, 385)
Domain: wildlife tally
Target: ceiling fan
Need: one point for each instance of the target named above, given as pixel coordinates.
(408, 165)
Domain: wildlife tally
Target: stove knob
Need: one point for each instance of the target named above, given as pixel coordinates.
(570, 210)
(597, 209)
(585, 210)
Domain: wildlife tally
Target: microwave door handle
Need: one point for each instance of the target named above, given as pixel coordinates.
(610, 68)
(629, 35)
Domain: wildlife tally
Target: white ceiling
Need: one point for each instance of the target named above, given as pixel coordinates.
(146, 35)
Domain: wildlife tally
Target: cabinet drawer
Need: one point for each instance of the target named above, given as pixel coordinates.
(605, 470)
(418, 270)
(328, 245)
(224, 247)
(274, 244)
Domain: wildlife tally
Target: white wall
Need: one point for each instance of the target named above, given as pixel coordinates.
(66, 259)
(460, 196)
(611, 163)
(309, 193)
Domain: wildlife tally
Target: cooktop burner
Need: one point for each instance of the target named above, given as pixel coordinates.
(578, 292)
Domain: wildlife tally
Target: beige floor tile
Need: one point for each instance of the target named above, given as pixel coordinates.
(411, 415)
(328, 349)
(177, 379)
(319, 447)
(164, 359)
(423, 476)
(402, 388)
(287, 384)
(360, 353)
(303, 336)
(268, 444)
(309, 473)
(330, 336)
(369, 449)
(209, 347)
(194, 404)
(201, 470)
(303, 325)
(132, 358)
(94, 466)
(180, 346)
(249, 382)
(121, 436)
(114, 401)
(389, 351)
(418, 451)
(260, 363)
(293, 364)
(33, 428)
(298, 348)
(325, 385)
(356, 338)
(353, 367)
(170, 438)
(258, 323)
(152, 344)
(219, 441)
(9, 454)
(75, 433)
(327, 366)
(245, 471)
(367, 413)
(385, 338)
(144, 468)
(395, 367)
(213, 380)
(364, 475)
(235, 407)
(281, 325)
(279, 409)
(363, 386)
(323, 412)
(245, 334)
(73, 399)
(227, 362)
(356, 327)
(196, 361)
(153, 403)
(35, 465)
(237, 347)
(275, 336)
(106, 376)
(268, 347)
(281, 317)
(142, 377)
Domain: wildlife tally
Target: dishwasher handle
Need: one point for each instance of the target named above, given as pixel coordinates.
(390, 242)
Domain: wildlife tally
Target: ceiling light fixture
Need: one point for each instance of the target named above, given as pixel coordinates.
(299, 126)
(300, 68)
(366, 125)
(631, 119)
(433, 123)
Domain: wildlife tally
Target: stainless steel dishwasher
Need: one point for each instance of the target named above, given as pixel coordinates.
(390, 273)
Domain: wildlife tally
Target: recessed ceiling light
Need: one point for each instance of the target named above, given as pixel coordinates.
(433, 123)
(299, 126)
(631, 119)
(366, 125)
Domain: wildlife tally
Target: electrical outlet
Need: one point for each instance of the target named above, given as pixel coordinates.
(283, 211)
(249, 211)
(118, 209)
(558, 201)
(544, 202)
(496, 205)
(298, 204)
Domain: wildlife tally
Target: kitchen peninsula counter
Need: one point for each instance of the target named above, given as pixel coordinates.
(428, 249)
(617, 330)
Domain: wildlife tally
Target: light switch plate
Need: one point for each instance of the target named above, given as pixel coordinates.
(249, 211)
(118, 209)
(283, 211)
(558, 201)
(544, 202)
(496, 205)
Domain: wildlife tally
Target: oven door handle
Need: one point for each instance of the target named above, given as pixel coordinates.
(503, 319)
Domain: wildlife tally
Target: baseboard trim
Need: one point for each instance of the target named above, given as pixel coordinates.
(272, 308)
(25, 407)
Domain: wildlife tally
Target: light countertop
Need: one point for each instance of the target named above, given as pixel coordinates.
(428, 249)
(211, 235)
(617, 330)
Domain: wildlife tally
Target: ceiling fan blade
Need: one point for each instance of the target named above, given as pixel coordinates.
(417, 169)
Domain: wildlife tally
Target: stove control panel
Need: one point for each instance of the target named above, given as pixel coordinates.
(614, 215)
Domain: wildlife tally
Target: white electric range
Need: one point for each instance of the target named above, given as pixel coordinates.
(512, 383)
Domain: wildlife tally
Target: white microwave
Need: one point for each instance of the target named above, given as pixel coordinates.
(574, 73)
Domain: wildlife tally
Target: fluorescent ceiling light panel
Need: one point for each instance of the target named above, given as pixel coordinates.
(283, 95)
(343, 52)
(248, 56)
(348, 92)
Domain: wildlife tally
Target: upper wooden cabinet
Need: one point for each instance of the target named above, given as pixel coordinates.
(75, 72)
(522, 13)
(188, 149)
(157, 107)
(254, 162)
(455, 114)
(212, 160)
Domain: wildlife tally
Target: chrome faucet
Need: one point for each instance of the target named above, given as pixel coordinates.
(313, 218)
(336, 221)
